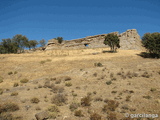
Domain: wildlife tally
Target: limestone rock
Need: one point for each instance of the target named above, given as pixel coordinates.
(129, 40)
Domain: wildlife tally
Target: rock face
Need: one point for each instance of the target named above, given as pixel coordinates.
(128, 40)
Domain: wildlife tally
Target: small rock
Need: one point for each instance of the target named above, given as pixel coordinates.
(42, 115)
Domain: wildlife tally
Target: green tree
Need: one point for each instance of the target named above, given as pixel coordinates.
(151, 41)
(112, 41)
(21, 40)
(32, 44)
(42, 42)
(60, 39)
(8, 46)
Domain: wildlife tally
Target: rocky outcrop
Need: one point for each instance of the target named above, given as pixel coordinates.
(128, 40)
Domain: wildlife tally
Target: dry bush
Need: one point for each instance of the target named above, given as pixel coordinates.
(146, 75)
(68, 84)
(8, 107)
(128, 98)
(111, 105)
(153, 89)
(47, 84)
(56, 89)
(98, 99)
(53, 108)
(15, 84)
(78, 113)
(98, 64)
(112, 116)
(35, 100)
(129, 74)
(74, 106)
(95, 116)
(14, 94)
(1, 91)
(95, 74)
(24, 80)
(1, 79)
(111, 75)
(10, 73)
(59, 99)
(86, 101)
(57, 81)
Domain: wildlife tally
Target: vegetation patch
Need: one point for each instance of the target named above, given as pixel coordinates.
(24, 80)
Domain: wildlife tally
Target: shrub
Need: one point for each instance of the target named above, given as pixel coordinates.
(98, 64)
(1, 91)
(59, 99)
(112, 116)
(153, 89)
(73, 106)
(38, 108)
(86, 101)
(15, 72)
(35, 100)
(151, 42)
(1, 79)
(57, 81)
(68, 84)
(109, 82)
(42, 62)
(128, 98)
(10, 73)
(147, 97)
(15, 84)
(8, 107)
(47, 84)
(24, 80)
(111, 105)
(14, 94)
(53, 108)
(78, 113)
(111, 75)
(95, 116)
(98, 99)
(56, 89)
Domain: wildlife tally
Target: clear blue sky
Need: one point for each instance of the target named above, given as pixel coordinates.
(71, 19)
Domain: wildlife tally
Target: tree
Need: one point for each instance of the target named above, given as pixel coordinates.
(151, 41)
(32, 44)
(60, 39)
(42, 42)
(8, 46)
(112, 41)
(21, 40)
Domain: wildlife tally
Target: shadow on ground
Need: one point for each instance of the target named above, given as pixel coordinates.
(148, 55)
(108, 51)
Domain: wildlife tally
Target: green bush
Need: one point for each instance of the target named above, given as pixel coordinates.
(10, 73)
(151, 42)
(24, 80)
(35, 100)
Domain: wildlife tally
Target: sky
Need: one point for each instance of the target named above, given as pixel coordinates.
(72, 19)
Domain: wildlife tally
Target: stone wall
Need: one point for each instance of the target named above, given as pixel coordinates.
(128, 40)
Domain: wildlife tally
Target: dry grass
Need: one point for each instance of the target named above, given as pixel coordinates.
(125, 73)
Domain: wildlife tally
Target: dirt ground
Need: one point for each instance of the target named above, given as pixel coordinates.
(92, 84)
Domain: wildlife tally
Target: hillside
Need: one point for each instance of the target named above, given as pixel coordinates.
(76, 84)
